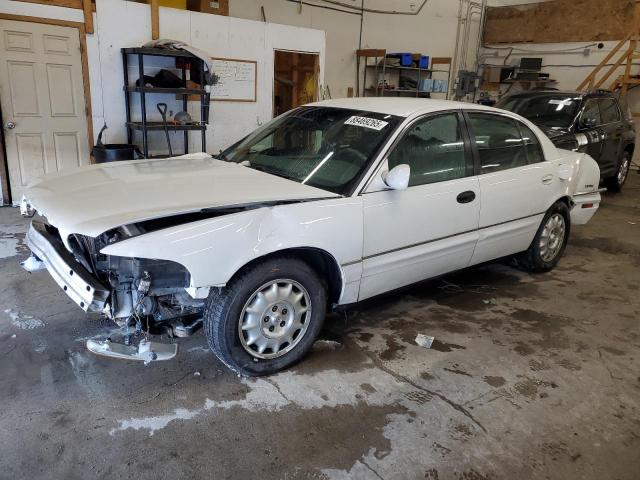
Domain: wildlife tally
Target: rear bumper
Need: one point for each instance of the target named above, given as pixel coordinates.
(585, 206)
(87, 292)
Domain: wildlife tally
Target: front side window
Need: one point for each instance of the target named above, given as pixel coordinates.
(433, 147)
(591, 114)
(324, 147)
(498, 141)
(609, 110)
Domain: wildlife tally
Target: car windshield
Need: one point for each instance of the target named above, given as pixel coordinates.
(553, 110)
(324, 147)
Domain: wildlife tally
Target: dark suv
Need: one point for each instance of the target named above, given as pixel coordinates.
(593, 123)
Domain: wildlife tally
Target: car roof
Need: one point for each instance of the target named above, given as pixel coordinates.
(402, 107)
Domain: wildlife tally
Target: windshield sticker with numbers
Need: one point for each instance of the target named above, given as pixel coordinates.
(366, 122)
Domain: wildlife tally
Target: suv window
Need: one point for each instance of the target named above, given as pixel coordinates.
(609, 110)
(498, 141)
(532, 144)
(591, 114)
(433, 147)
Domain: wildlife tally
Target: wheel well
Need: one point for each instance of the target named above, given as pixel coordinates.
(321, 261)
(567, 201)
(630, 148)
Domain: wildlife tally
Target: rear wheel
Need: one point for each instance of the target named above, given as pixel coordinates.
(267, 318)
(550, 241)
(616, 182)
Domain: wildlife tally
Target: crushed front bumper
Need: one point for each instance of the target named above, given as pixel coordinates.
(73, 278)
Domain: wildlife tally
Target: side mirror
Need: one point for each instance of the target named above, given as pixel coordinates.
(398, 177)
(588, 122)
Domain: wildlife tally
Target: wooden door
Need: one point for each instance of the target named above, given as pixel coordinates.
(42, 99)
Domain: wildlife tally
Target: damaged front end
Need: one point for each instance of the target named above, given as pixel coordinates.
(143, 296)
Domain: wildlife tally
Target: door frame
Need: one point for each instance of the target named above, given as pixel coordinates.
(316, 73)
(82, 34)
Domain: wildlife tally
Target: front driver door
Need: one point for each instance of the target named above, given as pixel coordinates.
(431, 227)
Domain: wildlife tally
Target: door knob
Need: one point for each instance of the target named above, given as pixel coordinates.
(10, 125)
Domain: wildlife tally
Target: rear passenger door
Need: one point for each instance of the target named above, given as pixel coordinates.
(516, 184)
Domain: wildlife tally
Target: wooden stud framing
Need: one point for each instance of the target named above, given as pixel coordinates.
(155, 20)
(88, 15)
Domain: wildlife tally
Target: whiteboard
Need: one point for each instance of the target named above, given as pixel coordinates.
(237, 80)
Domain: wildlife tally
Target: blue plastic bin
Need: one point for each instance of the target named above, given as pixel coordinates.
(406, 59)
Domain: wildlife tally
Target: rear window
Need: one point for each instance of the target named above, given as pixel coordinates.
(552, 110)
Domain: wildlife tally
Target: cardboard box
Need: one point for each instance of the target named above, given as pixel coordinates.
(217, 7)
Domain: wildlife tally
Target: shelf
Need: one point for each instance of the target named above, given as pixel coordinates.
(170, 126)
(397, 67)
(412, 90)
(159, 52)
(529, 81)
(178, 91)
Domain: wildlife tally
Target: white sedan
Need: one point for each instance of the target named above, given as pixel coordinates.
(329, 204)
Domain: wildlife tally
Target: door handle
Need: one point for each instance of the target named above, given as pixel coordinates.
(10, 125)
(547, 179)
(466, 197)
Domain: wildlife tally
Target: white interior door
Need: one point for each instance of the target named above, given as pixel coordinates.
(42, 98)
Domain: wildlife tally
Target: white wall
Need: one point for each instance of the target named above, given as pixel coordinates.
(120, 23)
(432, 32)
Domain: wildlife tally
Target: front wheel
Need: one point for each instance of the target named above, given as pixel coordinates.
(550, 241)
(616, 182)
(267, 318)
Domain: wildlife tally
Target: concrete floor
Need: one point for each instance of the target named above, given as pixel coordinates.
(531, 377)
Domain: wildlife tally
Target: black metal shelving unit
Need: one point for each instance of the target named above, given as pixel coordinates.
(144, 126)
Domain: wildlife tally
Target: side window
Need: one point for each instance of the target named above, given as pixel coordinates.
(532, 145)
(498, 141)
(433, 148)
(609, 110)
(591, 114)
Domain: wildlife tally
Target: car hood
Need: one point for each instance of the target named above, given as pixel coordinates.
(93, 199)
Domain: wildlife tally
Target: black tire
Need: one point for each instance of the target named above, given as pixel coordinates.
(616, 182)
(533, 259)
(225, 306)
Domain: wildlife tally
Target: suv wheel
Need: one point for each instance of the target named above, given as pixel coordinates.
(550, 241)
(267, 318)
(615, 183)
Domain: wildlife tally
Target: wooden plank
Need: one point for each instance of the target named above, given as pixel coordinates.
(560, 21)
(61, 3)
(627, 68)
(371, 52)
(612, 69)
(591, 77)
(155, 20)
(88, 15)
(441, 61)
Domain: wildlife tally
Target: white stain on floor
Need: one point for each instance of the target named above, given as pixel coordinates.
(326, 389)
(23, 321)
(10, 244)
